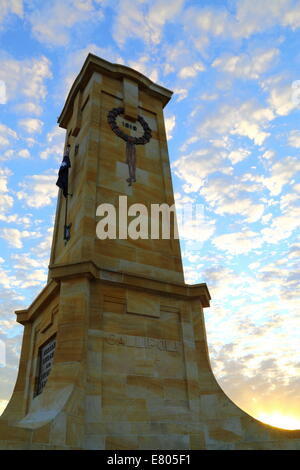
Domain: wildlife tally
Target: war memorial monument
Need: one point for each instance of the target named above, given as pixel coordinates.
(114, 352)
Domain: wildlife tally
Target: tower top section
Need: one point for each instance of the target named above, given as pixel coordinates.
(93, 64)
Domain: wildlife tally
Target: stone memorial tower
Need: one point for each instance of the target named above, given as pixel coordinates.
(114, 353)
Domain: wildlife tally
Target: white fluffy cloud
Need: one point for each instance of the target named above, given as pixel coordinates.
(143, 65)
(170, 123)
(31, 125)
(294, 139)
(238, 242)
(202, 23)
(25, 78)
(191, 71)
(6, 200)
(282, 226)
(53, 21)
(281, 100)
(268, 154)
(246, 120)
(282, 173)
(144, 19)
(6, 135)
(10, 153)
(38, 190)
(181, 92)
(10, 6)
(227, 197)
(24, 153)
(247, 65)
(29, 108)
(238, 155)
(56, 139)
(195, 167)
(14, 236)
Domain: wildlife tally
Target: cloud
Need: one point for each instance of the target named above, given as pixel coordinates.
(11, 335)
(144, 66)
(10, 7)
(56, 139)
(238, 155)
(8, 154)
(194, 225)
(29, 108)
(5, 204)
(281, 100)
(183, 60)
(195, 167)
(227, 197)
(22, 278)
(181, 92)
(6, 201)
(26, 79)
(282, 173)
(282, 226)
(170, 123)
(38, 190)
(205, 23)
(191, 70)
(249, 66)
(246, 120)
(34, 277)
(294, 139)
(53, 21)
(25, 221)
(57, 133)
(14, 236)
(54, 151)
(3, 98)
(143, 19)
(6, 135)
(238, 242)
(268, 154)
(31, 125)
(209, 96)
(24, 153)
(42, 249)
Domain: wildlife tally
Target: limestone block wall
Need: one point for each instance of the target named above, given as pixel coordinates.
(98, 174)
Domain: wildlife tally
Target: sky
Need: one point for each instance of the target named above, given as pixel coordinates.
(234, 140)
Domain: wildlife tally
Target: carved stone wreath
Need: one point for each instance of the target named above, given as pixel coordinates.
(111, 118)
(131, 142)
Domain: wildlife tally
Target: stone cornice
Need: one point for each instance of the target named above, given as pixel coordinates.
(90, 270)
(44, 297)
(96, 64)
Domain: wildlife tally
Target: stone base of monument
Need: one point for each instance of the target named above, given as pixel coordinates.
(130, 371)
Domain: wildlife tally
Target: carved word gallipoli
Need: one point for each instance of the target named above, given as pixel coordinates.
(143, 342)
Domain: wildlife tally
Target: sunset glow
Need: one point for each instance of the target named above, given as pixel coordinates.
(280, 420)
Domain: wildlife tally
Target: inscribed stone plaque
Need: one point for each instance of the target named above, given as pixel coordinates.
(45, 359)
